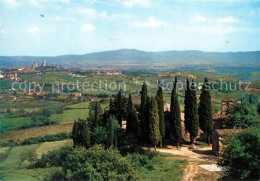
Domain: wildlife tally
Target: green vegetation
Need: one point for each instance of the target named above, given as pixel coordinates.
(153, 118)
(176, 116)
(242, 115)
(39, 139)
(132, 126)
(81, 134)
(159, 99)
(107, 164)
(241, 155)
(191, 112)
(13, 160)
(205, 110)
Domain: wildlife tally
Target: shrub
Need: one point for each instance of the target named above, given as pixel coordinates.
(97, 163)
(241, 155)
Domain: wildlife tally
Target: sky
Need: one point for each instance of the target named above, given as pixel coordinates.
(59, 27)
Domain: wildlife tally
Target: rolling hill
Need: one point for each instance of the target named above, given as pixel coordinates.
(133, 56)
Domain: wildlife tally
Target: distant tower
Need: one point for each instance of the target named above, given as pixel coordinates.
(44, 63)
(226, 103)
(35, 65)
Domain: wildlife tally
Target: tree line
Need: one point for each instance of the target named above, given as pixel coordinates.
(146, 122)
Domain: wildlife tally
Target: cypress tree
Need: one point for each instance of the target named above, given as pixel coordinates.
(176, 115)
(153, 118)
(81, 134)
(120, 108)
(143, 113)
(112, 134)
(111, 106)
(131, 119)
(159, 99)
(96, 116)
(187, 106)
(205, 110)
(144, 96)
(129, 115)
(193, 117)
(74, 133)
(145, 129)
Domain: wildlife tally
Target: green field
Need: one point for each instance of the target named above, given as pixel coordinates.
(69, 116)
(13, 159)
(13, 123)
(24, 174)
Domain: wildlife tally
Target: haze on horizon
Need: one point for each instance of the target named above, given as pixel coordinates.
(61, 27)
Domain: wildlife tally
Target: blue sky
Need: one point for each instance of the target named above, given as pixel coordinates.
(84, 26)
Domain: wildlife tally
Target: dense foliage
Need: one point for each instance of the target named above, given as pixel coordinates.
(175, 115)
(159, 98)
(153, 118)
(241, 155)
(191, 112)
(242, 115)
(81, 134)
(205, 110)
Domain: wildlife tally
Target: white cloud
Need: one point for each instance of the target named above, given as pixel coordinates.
(87, 27)
(151, 23)
(104, 15)
(228, 19)
(91, 13)
(35, 29)
(38, 3)
(57, 18)
(198, 18)
(10, 2)
(132, 3)
(34, 2)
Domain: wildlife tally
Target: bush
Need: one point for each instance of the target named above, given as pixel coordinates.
(241, 155)
(96, 163)
(40, 139)
(242, 115)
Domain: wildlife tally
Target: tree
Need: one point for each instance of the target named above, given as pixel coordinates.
(187, 106)
(96, 163)
(153, 118)
(191, 112)
(143, 114)
(242, 115)
(96, 116)
(241, 155)
(131, 119)
(112, 135)
(176, 115)
(159, 99)
(81, 134)
(119, 107)
(205, 110)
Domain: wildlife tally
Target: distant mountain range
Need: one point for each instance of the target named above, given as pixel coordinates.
(133, 56)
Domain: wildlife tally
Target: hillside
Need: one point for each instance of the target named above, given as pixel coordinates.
(132, 56)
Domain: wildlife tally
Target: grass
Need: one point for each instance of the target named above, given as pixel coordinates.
(13, 159)
(35, 132)
(49, 146)
(13, 123)
(164, 170)
(69, 116)
(24, 174)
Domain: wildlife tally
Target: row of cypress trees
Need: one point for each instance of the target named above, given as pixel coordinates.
(151, 128)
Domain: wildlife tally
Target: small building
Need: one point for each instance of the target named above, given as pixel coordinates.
(76, 94)
(218, 135)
